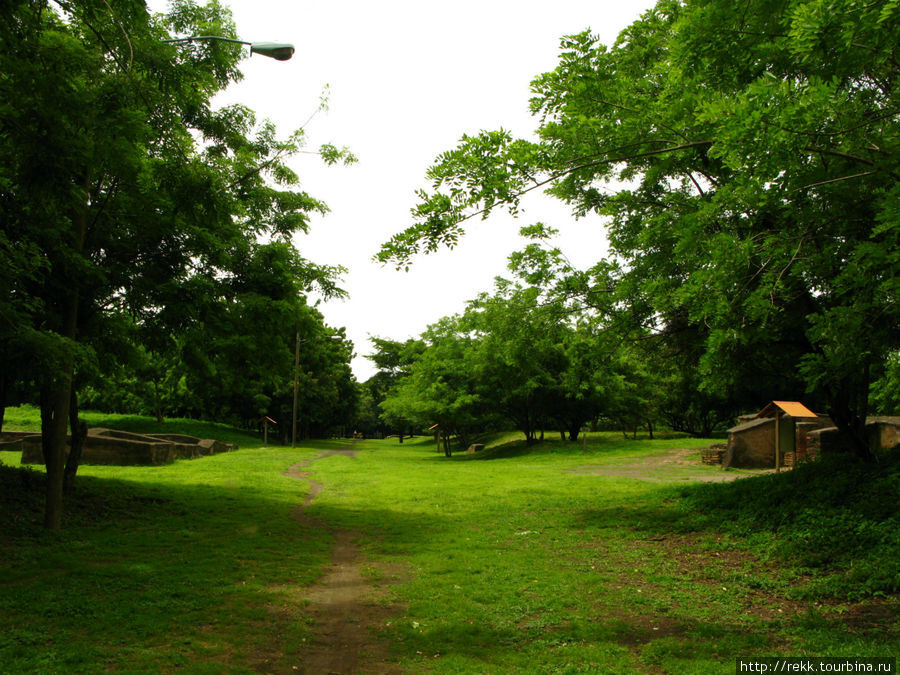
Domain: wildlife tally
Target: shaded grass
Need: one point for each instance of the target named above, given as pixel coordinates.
(524, 565)
(513, 562)
(838, 516)
(156, 567)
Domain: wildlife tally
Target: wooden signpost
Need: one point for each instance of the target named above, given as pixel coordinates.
(265, 422)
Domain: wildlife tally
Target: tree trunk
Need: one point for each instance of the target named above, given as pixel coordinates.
(650, 428)
(2, 400)
(849, 409)
(156, 400)
(54, 421)
(56, 393)
(78, 430)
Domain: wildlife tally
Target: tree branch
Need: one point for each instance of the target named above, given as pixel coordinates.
(836, 180)
(853, 158)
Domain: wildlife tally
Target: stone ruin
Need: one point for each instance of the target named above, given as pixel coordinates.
(883, 434)
(121, 448)
(751, 444)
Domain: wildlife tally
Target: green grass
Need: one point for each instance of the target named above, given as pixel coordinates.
(545, 558)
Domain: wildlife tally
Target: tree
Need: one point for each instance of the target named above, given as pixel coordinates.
(393, 360)
(754, 148)
(441, 385)
(237, 349)
(532, 363)
(123, 191)
(886, 388)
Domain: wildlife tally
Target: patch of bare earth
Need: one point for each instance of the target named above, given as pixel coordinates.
(715, 572)
(345, 609)
(681, 464)
(712, 575)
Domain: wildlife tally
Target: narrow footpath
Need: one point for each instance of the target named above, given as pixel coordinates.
(343, 604)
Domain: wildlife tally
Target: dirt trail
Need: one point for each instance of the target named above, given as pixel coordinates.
(343, 603)
(672, 465)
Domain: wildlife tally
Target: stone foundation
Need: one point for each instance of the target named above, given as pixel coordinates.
(121, 448)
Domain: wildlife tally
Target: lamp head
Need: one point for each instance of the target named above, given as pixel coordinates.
(281, 51)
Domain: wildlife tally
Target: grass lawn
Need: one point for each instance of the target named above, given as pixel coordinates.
(619, 558)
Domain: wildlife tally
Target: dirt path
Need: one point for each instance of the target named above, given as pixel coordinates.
(672, 465)
(343, 604)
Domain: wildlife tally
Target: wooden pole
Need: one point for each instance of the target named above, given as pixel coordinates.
(265, 433)
(777, 442)
(296, 368)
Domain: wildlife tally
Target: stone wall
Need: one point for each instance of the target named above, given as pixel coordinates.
(751, 445)
(122, 448)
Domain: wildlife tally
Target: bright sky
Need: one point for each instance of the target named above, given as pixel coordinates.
(407, 79)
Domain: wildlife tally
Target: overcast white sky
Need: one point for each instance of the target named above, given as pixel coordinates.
(407, 78)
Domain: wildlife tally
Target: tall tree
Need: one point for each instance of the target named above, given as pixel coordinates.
(393, 360)
(123, 190)
(753, 148)
(441, 385)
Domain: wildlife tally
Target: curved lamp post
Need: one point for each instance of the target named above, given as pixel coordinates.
(280, 51)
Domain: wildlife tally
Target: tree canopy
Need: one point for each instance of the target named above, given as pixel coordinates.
(129, 199)
(745, 156)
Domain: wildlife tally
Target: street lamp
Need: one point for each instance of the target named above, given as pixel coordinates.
(296, 383)
(280, 51)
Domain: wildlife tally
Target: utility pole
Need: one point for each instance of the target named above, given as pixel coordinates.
(296, 374)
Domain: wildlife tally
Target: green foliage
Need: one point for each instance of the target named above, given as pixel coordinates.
(885, 395)
(520, 355)
(129, 202)
(746, 155)
(393, 360)
(440, 387)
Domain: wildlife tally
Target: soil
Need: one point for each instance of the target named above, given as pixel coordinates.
(673, 465)
(347, 606)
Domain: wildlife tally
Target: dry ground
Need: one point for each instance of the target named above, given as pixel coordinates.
(346, 606)
(682, 464)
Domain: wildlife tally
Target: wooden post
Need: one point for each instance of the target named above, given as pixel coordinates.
(296, 374)
(777, 442)
(265, 419)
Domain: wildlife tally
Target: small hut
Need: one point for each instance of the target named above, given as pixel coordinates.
(774, 437)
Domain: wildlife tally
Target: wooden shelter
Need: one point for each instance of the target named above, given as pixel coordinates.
(785, 414)
(774, 433)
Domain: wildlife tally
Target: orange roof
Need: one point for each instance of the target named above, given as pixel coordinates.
(791, 408)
